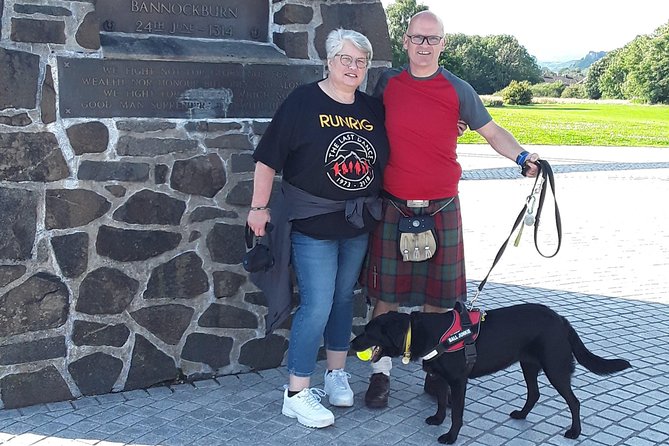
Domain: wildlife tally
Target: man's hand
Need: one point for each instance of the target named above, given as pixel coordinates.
(531, 167)
(462, 127)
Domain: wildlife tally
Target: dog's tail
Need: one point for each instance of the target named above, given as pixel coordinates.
(589, 360)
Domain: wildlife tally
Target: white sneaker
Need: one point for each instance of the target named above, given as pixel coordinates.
(337, 388)
(307, 408)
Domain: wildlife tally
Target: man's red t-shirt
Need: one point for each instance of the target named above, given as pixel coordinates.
(421, 122)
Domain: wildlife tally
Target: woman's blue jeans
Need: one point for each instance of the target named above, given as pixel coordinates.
(326, 271)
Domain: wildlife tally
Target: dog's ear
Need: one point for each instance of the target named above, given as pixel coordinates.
(394, 326)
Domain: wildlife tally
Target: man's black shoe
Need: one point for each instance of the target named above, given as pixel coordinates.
(377, 393)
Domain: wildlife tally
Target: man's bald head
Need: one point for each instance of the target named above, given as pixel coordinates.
(425, 17)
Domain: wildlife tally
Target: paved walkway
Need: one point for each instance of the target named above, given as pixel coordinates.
(610, 280)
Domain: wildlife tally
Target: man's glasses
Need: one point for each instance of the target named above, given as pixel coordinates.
(347, 61)
(419, 40)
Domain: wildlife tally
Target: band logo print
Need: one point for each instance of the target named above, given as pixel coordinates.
(349, 160)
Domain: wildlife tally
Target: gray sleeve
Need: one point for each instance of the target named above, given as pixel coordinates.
(472, 110)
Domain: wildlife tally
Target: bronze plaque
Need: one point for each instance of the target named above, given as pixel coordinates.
(99, 88)
(210, 19)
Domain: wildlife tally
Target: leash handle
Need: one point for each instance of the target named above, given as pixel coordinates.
(545, 175)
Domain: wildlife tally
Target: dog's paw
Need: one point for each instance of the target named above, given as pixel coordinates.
(434, 420)
(572, 434)
(518, 415)
(447, 438)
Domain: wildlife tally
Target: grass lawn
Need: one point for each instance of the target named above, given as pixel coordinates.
(582, 124)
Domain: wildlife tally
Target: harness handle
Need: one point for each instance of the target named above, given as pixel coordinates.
(546, 177)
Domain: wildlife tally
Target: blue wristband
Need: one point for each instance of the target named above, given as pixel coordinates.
(522, 156)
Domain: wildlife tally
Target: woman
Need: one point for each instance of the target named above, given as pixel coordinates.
(328, 140)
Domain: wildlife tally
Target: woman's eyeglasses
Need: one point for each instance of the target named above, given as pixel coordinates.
(417, 39)
(347, 61)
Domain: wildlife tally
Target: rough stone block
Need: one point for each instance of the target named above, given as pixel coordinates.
(212, 127)
(242, 162)
(202, 175)
(38, 31)
(46, 10)
(92, 333)
(167, 322)
(369, 19)
(144, 126)
(130, 146)
(26, 389)
(71, 251)
(39, 303)
(149, 366)
(48, 106)
(31, 157)
(293, 14)
(227, 283)
(227, 316)
(295, 45)
(110, 170)
(234, 141)
(19, 73)
(70, 208)
(88, 137)
(95, 374)
(18, 220)
(204, 213)
(106, 291)
(264, 353)
(32, 351)
(209, 349)
(180, 278)
(126, 245)
(240, 194)
(226, 243)
(20, 120)
(151, 208)
(88, 34)
(161, 173)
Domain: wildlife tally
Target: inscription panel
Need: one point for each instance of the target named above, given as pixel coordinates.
(98, 88)
(211, 19)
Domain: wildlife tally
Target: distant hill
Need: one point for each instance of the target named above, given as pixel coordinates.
(583, 63)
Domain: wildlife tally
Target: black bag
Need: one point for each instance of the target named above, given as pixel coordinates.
(259, 257)
(417, 238)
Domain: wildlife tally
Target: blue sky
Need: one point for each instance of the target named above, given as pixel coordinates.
(556, 31)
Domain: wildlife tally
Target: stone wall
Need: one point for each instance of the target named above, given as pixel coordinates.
(121, 237)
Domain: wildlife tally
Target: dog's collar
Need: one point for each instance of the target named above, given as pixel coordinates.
(406, 356)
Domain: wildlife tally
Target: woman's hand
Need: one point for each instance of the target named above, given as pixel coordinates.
(257, 220)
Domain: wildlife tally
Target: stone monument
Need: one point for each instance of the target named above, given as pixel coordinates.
(126, 133)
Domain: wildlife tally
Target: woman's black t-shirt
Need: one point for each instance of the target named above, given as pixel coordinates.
(329, 149)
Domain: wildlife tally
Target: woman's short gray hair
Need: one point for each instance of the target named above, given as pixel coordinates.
(335, 42)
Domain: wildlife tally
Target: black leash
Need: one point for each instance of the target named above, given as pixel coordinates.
(528, 218)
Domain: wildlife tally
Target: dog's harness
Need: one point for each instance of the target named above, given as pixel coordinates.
(460, 335)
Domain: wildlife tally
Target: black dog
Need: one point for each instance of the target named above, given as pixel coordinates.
(533, 334)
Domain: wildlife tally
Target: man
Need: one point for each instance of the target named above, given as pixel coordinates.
(424, 103)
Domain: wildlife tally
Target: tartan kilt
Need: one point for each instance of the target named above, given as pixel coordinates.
(439, 281)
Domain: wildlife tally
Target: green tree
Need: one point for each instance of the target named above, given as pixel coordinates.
(594, 74)
(489, 63)
(639, 71)
(398, 15)
(517, 93)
